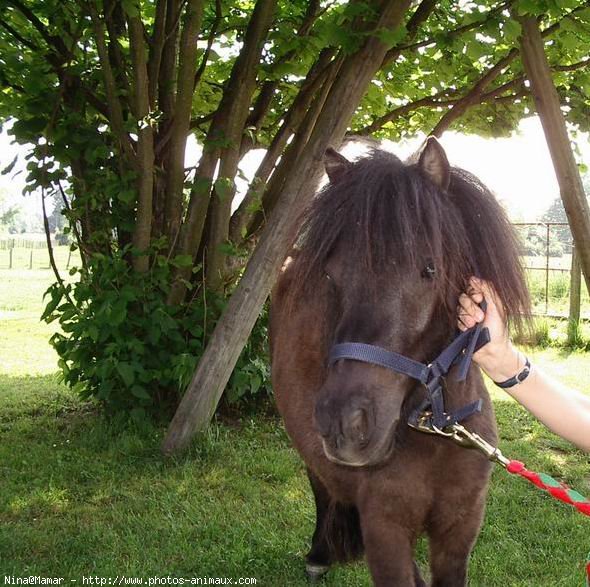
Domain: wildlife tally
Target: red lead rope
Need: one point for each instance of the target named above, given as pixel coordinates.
(557, 490)
(468, 439)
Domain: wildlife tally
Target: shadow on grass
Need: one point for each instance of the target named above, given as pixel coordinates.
(81, 497)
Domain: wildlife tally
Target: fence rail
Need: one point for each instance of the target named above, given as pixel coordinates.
(24, 243)
(37, 257)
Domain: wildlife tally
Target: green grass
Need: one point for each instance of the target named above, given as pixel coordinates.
(79, 496)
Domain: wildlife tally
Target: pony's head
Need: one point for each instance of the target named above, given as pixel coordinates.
(392, 245)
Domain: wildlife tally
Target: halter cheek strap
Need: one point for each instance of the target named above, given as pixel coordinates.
(459, 351)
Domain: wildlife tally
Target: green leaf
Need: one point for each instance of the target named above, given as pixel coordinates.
(533, 7)
(512, 30)
(93, 332)
(224, 188)
(138, 415)
(118, 312)
(140, 392)
(127, 196)
(567, 3)
(182, 260)
(392, 37)
(569, 40)
(126, 372)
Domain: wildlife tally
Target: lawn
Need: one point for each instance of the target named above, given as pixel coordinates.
(80, 496)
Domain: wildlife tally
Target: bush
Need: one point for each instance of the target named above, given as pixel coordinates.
(121, 344)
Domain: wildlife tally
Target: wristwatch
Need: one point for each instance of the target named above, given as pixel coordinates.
(518, 378)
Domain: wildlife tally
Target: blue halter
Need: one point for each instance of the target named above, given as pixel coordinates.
(459, 351)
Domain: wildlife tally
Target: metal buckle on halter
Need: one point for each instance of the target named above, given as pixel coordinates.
(424, 423)
(460, 435)
(474, 440)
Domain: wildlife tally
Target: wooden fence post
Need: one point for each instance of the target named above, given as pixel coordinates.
(10, 257)
(575, 295)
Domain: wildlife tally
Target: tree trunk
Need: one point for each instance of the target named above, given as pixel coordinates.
(145, 146)
(231, 333)
(187, 63)
(239, 92)
(547, 104)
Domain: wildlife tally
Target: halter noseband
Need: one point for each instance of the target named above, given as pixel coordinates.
(459, 351)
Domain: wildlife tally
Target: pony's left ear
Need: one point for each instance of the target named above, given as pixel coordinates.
(432, 159)
(336, 165)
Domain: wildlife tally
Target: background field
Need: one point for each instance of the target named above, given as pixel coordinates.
(80, 496)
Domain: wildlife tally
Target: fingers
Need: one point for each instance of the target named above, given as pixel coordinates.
(475, 289)
(468, 311)
(479, 289)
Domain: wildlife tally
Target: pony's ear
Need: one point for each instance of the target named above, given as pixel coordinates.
(336, 165)
(432, 159)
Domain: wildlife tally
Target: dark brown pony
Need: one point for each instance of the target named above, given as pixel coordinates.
(384, 252)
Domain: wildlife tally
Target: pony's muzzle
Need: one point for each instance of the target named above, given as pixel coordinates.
(346, 428)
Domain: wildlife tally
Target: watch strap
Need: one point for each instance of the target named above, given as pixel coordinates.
(518, 378)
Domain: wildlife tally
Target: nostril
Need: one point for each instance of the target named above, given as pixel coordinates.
(358, 426)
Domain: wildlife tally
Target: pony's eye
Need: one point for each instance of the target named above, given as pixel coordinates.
(429, 272)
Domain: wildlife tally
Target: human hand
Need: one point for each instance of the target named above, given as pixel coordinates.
(499, 359)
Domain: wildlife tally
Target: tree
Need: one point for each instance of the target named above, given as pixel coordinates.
(548, 106)
(108, 92)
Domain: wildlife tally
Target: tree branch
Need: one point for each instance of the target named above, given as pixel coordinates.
(182, 116)
(267, 92)
(156, 48)
(226, 128)
(473, 96)
(295, 149)
(55, 43)
(572, 66)
(113, 103)
(243, 221)
(167, 69)
(145, 144)
(50, 251)
(468, 96)
(418, 18)
(74, 223)
(18, 36)
(115, 23)
(456, 31)
(234, 105)
(210, 40)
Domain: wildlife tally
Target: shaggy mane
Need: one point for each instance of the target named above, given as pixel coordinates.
(391, 217)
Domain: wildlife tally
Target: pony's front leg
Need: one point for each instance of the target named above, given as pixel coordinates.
(451, 544)
(389, 548)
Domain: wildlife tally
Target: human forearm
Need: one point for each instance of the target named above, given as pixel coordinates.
(566, 412)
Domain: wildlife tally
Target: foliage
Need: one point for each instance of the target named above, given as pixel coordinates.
(107, 92)
(120, 343)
